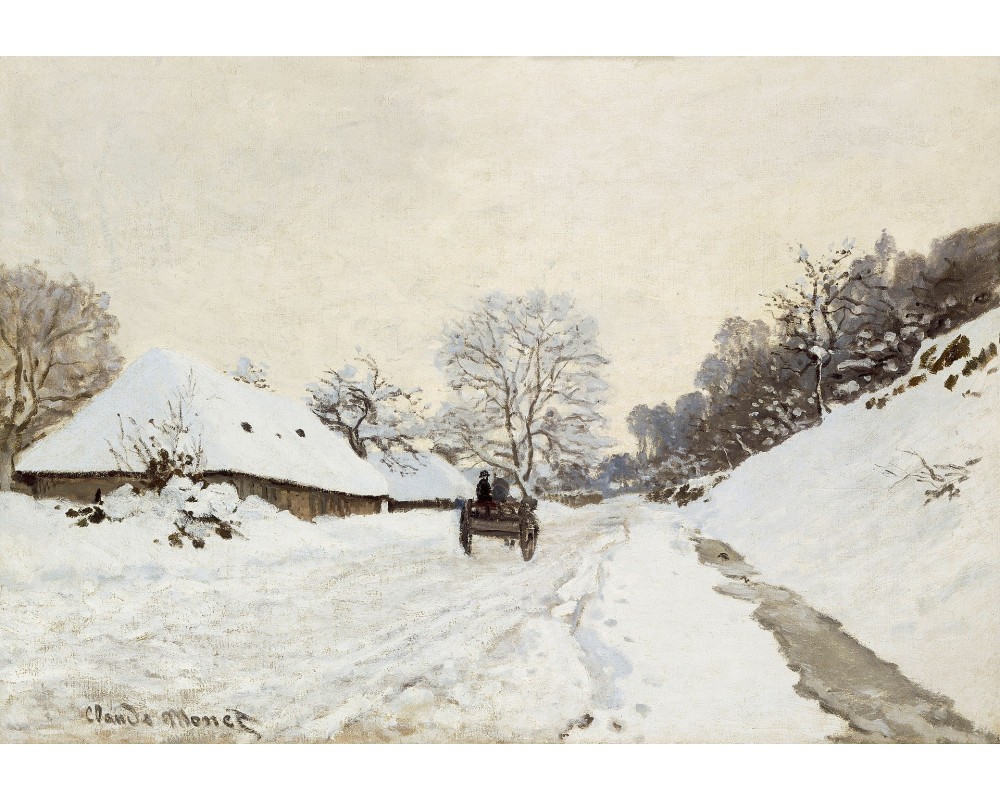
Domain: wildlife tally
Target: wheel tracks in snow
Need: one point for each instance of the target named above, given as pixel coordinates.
(596, 654)
(495, 617)
(491, 612)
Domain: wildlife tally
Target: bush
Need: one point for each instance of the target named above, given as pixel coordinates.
(957, 348)
(198, 511)
(679, 495)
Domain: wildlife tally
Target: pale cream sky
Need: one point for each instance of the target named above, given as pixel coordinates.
(293, 210)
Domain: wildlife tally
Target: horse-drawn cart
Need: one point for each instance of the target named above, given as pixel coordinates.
(510, 520)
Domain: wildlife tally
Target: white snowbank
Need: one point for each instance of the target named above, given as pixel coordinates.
(919, 584)
(220, 500)
(242, 429)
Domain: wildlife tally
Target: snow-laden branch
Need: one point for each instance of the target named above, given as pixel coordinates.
(369, 411)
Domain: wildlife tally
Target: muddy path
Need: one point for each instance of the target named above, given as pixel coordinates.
(879, 703)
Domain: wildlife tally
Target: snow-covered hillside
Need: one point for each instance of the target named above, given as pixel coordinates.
(886, 518)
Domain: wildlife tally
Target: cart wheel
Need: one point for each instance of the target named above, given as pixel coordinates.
(465, 530)
(529, 535)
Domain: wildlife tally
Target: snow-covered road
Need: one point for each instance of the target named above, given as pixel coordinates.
(381, 629)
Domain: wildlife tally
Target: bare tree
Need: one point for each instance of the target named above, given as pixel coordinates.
(369, 411)
(840, 324)
(805, 310)
(669, 438)
(753, 402)
(56, 351)
(526, 373)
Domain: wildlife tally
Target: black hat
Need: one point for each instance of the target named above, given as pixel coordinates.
(484, 474)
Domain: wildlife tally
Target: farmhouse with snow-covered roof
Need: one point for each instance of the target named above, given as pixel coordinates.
(263, 444)
(422, 480)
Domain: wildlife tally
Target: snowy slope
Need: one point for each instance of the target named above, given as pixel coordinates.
(223, 409)
(426, 476)
(919, 584)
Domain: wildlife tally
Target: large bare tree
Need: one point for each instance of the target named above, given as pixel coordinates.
(56, 351)
(528, 389)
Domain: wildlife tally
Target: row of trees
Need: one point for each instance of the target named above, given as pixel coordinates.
(849, 324)
(526, 372)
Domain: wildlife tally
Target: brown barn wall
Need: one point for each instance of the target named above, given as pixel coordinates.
(19, 486)
(300, 501)
(78, 488)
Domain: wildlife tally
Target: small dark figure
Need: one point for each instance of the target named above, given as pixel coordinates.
(97, 497)
(501, 490)
(484, 494)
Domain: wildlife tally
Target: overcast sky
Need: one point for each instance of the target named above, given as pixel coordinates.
(292, 211)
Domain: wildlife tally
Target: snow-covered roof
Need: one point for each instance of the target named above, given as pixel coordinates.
(426, 476)
(243, 430)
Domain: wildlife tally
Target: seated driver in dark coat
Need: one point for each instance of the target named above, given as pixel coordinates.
(484, 494)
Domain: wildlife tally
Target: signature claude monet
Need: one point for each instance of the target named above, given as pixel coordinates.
(127, 715)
